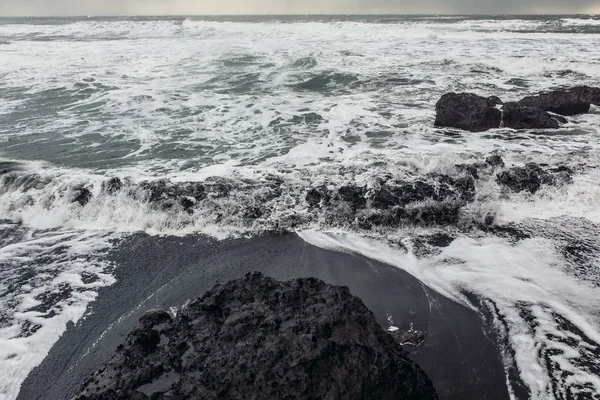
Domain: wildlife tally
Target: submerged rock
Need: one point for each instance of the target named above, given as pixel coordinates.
(256, 338)
(354, 195)
(467, 111)
(517, 116)
(439, 188)
(112, 186)
(317, 196)
(443, 213)
(565, 102)
(496, 100)
(528, 178)
(495, 161)
(82, 196)
(8, 166)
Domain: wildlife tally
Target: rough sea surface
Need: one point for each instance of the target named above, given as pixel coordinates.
(237, 126)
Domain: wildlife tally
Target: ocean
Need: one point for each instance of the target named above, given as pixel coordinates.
(231, 129)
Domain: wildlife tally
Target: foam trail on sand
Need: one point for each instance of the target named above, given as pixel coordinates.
(551, 316)
(47, 280)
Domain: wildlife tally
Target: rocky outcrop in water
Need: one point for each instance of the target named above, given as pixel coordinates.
(517, 116)
(275, 205)
(470, 112)
(565, 102)
(82, 196)
(422, 202)
(8, 167)
(430, 199)
(467, 111)
(256, 338)
(532, 177)
(112, 186)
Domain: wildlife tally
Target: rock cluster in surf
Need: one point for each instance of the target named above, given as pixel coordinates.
(434, 199)
(274, 204)
(256, 338)
(467, 111)
(475, 113)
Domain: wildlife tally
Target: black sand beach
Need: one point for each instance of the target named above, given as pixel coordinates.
(166, 272)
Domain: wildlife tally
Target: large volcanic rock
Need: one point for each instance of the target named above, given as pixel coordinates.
(256, 338)
(474, 113)
(565, 102)
(517, 116)
(467, 111)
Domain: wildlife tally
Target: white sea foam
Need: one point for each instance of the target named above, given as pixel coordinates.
(581, 21)
(162, 90)
(47, 281)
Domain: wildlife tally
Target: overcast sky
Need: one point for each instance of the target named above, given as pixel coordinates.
(180, 7)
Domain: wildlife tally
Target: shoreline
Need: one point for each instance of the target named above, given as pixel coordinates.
(166, 272)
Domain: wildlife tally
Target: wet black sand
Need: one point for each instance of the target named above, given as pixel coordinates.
(155, 272)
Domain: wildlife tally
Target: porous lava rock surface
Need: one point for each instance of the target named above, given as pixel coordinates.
(257, 338)
(471, 112)
(467, 111)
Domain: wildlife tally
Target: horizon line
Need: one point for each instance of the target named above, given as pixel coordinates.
(297, 15)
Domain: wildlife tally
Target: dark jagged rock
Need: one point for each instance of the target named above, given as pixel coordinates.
(511, 232)
(353, 195)
(437, 201)
(308, 118)
(408, 336)
(439, 189)
(495, 161)
(416, 191)
(253, 213)
(385, 198)
(517, 116)
(168, 194)
(467, 111)
(430, 244)
(562, 173)
(443, 213)
(528, 178)
(470, 169)
(165, 195)
(428, 214)
(496, 100)
(400, 193)
(464, 187)
(187, 203)
(112, 186)
(219, 190)
(158, 190)
(8, 166)
(154, 317)
(82, 196)
(195, 190)
(474, 113)
(256, 338)
(315, 195)
(437, 239)
(565, 102)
